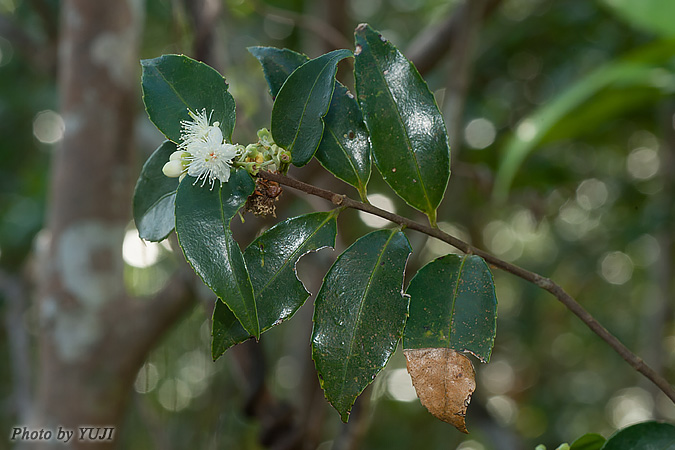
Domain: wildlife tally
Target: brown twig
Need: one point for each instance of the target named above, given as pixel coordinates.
(558, 292)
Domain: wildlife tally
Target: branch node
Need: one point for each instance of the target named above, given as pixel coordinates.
(337, 199)
(544, 283)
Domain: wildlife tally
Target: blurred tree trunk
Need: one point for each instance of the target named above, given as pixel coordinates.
(93, 337)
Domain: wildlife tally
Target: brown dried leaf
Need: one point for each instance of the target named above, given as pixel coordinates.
(444, 381)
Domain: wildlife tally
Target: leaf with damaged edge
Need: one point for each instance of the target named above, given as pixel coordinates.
(359, 315)
(453, 309)
(444, 381)
(453, 305)
(271, 260)
(203, 219)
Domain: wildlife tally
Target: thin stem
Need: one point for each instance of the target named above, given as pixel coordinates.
(558, 292)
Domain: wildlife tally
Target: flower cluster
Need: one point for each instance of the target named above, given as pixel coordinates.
(204, 154)
(265, 155)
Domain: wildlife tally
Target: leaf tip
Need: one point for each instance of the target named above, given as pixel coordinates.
(344, 416)
(444, 381)
(361, 27)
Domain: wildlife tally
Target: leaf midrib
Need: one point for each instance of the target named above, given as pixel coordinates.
(287, 261)
(156, 202)
(309, 95)
(358, 316)
(228, 235)
(346, 154)
(454, 298)
(405, 133)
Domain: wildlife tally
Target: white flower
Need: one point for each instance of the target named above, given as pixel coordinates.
(195, 130)
(210, 159)
(202, 152)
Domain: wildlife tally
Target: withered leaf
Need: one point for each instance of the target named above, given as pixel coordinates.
(444, 381)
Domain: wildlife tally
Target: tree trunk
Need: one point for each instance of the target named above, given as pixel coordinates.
(93, 337)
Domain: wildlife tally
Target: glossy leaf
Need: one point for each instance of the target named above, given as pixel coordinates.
(302, 103)
(203, 219)
(277, 65)
(344, 149)
(226, 330)
(155, 196)
(408, 136)
(271, 261)
(453, 305)
(359, 316)
(172, 84)
(643, 436)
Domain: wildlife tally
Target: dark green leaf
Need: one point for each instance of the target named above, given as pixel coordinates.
(277, 65)
(453, 305)
(643, 436)
(590, 441)
(172, 84)
(359, 316)
(226, 331)
(344, 149)
(203, 219)
(302, 102)
(409, 139)
(271, 261)
(155, 196)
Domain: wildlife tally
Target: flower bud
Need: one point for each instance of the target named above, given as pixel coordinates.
(285, 157)
(173, 169)
(178, 155)
(265, 137)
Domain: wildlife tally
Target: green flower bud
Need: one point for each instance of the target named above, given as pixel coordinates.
(265, 137)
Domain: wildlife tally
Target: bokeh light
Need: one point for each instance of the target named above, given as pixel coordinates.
(48, 127)
(139, 253)
(643, 163)
(630, 406)
(616, 267)
(174, 394)
(147, 378)
(480, 133)
(400, 387)
(383, 202)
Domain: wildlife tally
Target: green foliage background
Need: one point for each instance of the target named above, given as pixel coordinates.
(590, 205)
